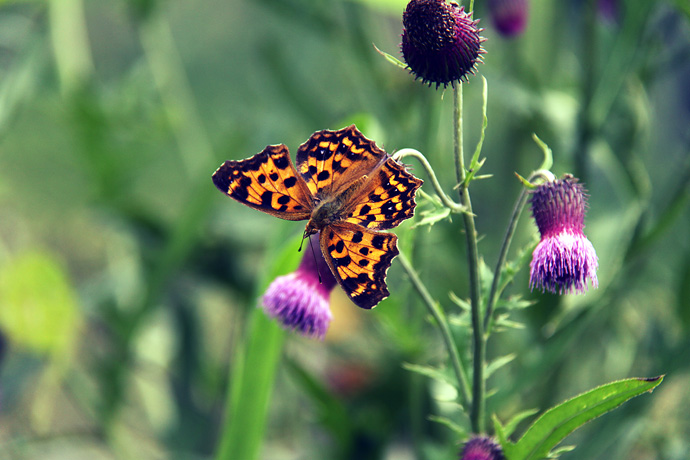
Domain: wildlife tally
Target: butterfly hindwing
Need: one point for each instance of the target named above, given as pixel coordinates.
(359, 259)
(385, 200)
(330, 161)
(268, 182)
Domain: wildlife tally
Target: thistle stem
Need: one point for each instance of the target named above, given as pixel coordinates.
(447, 202)
(479, 340)
(510, 231)
(442, 323)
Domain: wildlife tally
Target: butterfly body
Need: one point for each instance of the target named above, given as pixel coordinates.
(347, 188)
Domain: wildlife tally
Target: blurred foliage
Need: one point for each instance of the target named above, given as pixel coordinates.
(128, 283)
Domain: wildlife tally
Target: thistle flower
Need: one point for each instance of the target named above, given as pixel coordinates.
(300, 300)
(564, 259)
(509, 16)
(481, 448)
(440, 42)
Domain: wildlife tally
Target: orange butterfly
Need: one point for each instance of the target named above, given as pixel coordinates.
(347, 187)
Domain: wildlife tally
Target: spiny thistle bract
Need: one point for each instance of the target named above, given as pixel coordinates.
(440, 42)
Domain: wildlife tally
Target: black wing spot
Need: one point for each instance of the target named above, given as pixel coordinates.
(261, 178)
(273, 176)
(364, 251)
(281, 162)
(245, 181)
(388, 208)
(364, 210)
(322, 154)
(340, 246)
(378, 241)
(290, 182)
(342, 261)
(241, 193)
(283, 199)
(363, 262)
(357, 237)
(323, 175)
(266, 198)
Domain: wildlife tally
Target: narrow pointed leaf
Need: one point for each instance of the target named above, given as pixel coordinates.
(557, 423)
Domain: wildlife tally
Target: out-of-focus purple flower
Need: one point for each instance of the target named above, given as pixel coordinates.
(564, 259)
(440, 42)
(481, 448)
(608, 10)
(509, 16)
(299, 301)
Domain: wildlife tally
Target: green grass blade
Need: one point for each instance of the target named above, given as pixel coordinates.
(253, 373)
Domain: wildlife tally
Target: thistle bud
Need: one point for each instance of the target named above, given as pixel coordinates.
(481, 448)
(440, 42)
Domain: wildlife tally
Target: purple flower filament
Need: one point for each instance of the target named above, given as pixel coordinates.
(300, 300)
(564, 259)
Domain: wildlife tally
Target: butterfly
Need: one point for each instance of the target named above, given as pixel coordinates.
(347, 188)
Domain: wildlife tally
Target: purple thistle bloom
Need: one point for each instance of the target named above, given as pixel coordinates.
(564, 258)
(481, 448)
(509, 16)
(440, 42)
(299, 301)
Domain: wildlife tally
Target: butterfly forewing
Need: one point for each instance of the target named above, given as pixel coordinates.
(359, 259)
(268, 182)
(330, 161)
(385, 200)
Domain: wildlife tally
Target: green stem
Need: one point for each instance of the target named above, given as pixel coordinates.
(510, 231)
(454, 207)
(442, 323)
(70, 43)
(479, 349)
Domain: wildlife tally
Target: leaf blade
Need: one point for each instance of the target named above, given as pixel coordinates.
(558, 422)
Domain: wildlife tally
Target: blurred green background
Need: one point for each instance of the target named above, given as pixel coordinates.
(127, 281)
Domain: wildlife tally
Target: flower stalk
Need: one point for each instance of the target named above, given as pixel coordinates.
(505, 246)
(479, 340)
(442, 323)
(447, 201)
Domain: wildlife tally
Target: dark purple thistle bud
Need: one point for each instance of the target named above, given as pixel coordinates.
(299, 301)
(509, 16)
(481, 448)
(564, 259)
(440, 42)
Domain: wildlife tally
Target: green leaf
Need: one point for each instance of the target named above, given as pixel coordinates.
(432, 216)
(512, 424)
(475, 163)
(548, 155)
(462, 303)
(497, 363)
(460, 431)
(392, 59)
(435, 373)
(558, 422)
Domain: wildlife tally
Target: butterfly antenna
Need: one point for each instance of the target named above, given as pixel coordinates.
(315, 259)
